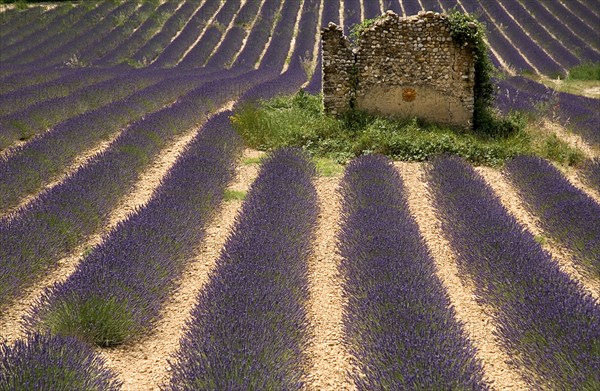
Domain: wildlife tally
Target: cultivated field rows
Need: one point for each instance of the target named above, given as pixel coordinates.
(102, 107)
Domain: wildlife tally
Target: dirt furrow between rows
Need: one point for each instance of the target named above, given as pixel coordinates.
(477, 321)
(142, 364)
(513, 203)
(329, 360)
(150, 179)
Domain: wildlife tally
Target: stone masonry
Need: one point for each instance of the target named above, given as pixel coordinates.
(402, 67)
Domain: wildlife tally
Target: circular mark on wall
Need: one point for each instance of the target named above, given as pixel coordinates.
(409, 94)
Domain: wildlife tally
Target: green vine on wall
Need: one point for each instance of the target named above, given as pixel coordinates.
(466, 29)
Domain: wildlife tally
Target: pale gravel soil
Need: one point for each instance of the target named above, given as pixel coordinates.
(476, 318)
(511, 201)
(142, 364)
(329, 361)
(138, 196)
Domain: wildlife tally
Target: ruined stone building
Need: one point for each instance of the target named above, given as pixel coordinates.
(403, 67)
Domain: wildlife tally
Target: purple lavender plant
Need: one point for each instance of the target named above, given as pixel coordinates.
(393, 5)
(171, 54)
(249, 327)
(545, 320)
(119, 288)
(398, 321)
(565, 213)
(33, 120)
(372, 9)
(9, 53)
(177, 21)
(45, 362)
(259, 35)
(202, 51)
(36, 54)
(119, 34)
(71, 82)
(590, 173)
(352, 14)
(142, 35)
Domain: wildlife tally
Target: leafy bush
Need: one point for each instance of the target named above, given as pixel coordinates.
(299, 121)
(586, 71)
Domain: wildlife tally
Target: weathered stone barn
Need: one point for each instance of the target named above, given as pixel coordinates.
(404, 67)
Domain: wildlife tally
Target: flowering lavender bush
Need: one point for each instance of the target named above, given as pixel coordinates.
(45, 362)
(24, 124)
(27, 76)
(71, 82)
(35, 24)
(171, 54)
(577, 113)
(590, 172)
(565, 213)
(176, 22)
(372, 9)
(545, 320)
(78, 41)
(142, 35)
(259, 35)
(119, 34)
(36, 163)
(249, 327)
(352, 14)
(119, 288)
(203, 49)
(36, 54)
(562, 29)
(398, 321)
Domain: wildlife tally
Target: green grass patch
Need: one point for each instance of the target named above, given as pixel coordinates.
(252, 160)
(234, 195)
(328, 167)
(586, 71)
(95, 320)
(299, 121)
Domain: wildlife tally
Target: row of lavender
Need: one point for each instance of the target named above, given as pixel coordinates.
(399, 325)
(47, 156)
(551, 38)
(62, 217)
(36, 107)
(249, 329)
(28, 171)
(118, 289)
(566, 213)
(547, 322)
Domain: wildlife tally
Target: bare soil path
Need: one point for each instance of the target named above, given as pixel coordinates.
(329, 360)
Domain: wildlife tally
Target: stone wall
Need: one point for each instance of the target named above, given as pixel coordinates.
(404, 67)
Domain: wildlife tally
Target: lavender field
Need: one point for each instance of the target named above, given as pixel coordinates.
(143, 246)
